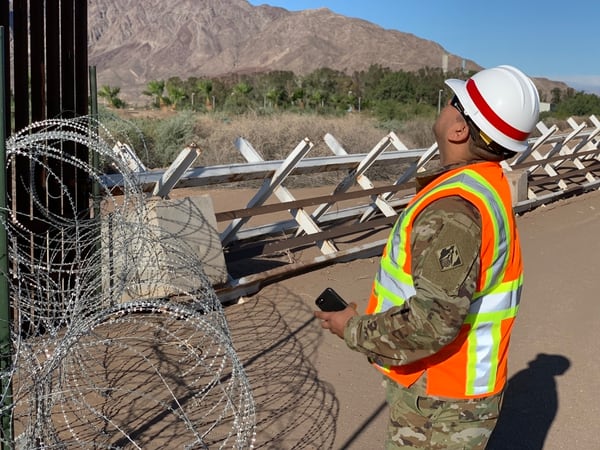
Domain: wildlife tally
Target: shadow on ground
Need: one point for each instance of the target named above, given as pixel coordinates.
(275, 339)
(530, 405)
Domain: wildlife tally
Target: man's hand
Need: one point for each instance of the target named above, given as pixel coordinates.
(336, 321)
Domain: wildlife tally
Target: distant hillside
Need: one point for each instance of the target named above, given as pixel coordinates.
(134, 41)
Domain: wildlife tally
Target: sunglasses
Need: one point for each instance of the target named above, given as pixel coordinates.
(459, 107)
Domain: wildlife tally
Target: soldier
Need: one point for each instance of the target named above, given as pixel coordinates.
(447, 292)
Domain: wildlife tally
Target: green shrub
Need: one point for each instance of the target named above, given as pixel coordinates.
(173, 135)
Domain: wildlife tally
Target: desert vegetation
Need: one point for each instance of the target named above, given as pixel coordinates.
(159, 136)
(381, 91)
(275, 110)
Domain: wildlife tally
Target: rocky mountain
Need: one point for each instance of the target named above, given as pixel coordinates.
(134, 41)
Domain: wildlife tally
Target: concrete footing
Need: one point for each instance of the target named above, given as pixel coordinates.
(175, 250)
(192, 219)
(517, 179)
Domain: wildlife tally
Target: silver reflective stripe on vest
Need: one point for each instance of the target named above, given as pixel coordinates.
(496, 302)
(395, 240)
(401, 290)
(484, 346)
(485, 316)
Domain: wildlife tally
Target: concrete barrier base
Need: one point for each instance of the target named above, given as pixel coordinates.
(176, 250)
(517, 179)
(192, 219)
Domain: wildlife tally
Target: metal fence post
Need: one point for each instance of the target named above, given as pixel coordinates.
(5, 342)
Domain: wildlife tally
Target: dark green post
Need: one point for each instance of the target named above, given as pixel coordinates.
(5, 342)
(95, 157)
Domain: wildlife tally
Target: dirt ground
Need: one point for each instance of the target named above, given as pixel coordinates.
(312, 392)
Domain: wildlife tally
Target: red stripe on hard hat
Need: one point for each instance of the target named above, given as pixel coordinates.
(491, 116)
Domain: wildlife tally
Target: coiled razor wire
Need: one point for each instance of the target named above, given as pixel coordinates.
(119, 340)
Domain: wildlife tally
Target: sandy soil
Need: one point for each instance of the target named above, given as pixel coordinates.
(312, 392)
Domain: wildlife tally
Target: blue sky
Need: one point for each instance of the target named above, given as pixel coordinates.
(552, 39)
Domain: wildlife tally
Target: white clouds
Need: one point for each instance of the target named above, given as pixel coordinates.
(586, 83)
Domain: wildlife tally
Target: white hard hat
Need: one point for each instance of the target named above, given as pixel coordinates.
(502, 102)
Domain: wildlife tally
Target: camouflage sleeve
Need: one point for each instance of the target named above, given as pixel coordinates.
(445, 243)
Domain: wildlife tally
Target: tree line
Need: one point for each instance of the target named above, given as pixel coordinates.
(387, 94)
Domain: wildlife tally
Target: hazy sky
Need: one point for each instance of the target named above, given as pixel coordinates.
(552, 39)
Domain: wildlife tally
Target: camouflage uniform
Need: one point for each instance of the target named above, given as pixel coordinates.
(419, 421)
(445, 249)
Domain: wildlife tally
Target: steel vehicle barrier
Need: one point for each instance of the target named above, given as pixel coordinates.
(557, 164)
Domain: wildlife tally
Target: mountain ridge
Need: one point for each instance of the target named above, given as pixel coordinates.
(132, 42)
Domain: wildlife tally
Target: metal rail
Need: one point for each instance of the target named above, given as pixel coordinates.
(236, 173)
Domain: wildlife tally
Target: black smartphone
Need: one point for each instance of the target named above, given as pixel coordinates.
(329, 300)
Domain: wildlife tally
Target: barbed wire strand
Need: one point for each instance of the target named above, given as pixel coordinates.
(119, 339)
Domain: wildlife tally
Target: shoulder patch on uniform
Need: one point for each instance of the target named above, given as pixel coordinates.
(449, 258)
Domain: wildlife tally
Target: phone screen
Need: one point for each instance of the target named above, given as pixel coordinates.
(329, 300)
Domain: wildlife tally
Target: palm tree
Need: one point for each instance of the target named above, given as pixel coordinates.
(242, 89)
(239, 100)
(111, 94)
(176, 94)
(206, 87)
(276, 96)
(156, 89)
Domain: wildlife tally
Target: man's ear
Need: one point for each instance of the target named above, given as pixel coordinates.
(459, 132)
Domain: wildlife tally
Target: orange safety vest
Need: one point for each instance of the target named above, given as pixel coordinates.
(475, 363)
